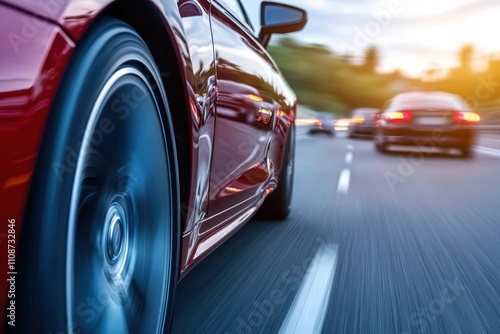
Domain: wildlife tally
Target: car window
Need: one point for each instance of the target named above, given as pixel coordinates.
(367, 112)
(430, 102)
(235, 8)
(464, 103)
(387, 105)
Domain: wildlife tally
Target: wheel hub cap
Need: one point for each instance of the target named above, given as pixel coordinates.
(116, 242)
(115, 238)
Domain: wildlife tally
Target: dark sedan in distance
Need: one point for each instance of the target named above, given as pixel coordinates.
(135, 137)
(323, 122)
(362, 122)
(427, 120)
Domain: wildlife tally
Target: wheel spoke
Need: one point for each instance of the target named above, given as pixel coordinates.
(134, 303)
(113, 320)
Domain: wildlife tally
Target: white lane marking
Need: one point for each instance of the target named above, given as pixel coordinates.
(302, 137)
(344, 179)
(492, 140)
(308, 310)
(348, 158)
(350, 147)
(488, 151)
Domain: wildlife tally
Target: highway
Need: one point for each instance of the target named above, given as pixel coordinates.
(406, 242)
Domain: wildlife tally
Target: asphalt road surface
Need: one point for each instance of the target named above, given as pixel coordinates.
(407, 242)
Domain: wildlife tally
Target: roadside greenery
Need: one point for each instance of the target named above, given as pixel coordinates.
(326, 81)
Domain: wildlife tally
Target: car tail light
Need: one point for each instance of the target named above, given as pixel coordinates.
(318, 123)
(399, 116)
(466, 117)
(357, 120)
(255, 98)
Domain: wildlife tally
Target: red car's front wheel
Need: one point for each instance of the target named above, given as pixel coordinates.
(103, 217)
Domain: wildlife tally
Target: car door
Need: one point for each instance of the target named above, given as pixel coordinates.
(200, 79)
(245, 112)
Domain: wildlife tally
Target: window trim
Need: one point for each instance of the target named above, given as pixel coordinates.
(245, 20)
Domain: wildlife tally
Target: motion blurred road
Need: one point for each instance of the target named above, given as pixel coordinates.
(395, 243)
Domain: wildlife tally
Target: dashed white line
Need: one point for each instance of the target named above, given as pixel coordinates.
(492, 140)
(302, 137)
(350, 147)
(488, 151)
(343, 186)
(308, 310)
(348, 158)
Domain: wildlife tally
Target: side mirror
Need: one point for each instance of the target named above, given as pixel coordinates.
(277, 18)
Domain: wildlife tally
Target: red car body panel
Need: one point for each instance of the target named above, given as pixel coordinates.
(38, 42)
(30, 73)
(254, 109)
(73, 16)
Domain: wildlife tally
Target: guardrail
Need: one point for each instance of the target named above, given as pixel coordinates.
(485, 127)
(488, 128)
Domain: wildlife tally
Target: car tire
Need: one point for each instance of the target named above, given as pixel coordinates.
(277, 206)
(100, 245)
(380, 147)
(466, 152)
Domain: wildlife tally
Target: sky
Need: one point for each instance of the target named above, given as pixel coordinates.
(411, 35)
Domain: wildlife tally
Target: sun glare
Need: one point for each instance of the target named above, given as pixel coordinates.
(430, 7)
(436, 36)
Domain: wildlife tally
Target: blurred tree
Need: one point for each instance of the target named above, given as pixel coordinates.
(326, 81)
(430, 74)
(465, 55)
(347, 58)
(371, 60)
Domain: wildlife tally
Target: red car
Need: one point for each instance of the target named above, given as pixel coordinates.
(135, 137)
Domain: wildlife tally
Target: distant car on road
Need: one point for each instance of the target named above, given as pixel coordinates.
(427, 119)
(342, 124)
(323, 122)
(362, 122)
